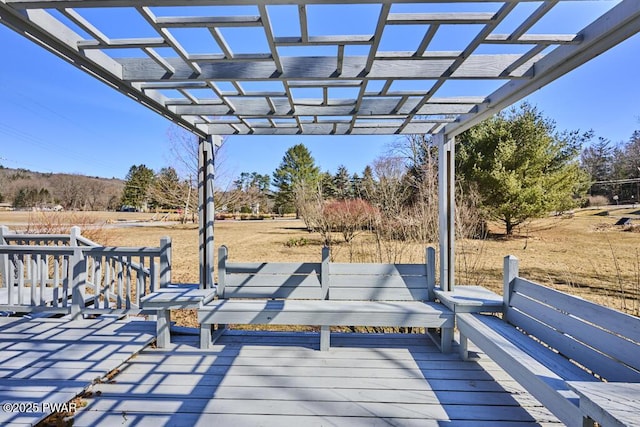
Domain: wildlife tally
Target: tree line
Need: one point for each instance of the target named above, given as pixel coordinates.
(510, 168)
(25, 189)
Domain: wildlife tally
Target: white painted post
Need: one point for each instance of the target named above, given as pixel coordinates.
(325, 330)
(206, 208)
(446, 209)
(222, 269)
(451, 218)
(73, 235)
(78, 281)
(511, 271)
(431, 272)
(4, 259)
(324, 272)
(165, 262)
(78, 269)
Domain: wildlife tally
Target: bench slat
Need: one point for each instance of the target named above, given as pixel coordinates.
(270, 281)
(319, 312)
(277, 268)
(567, 346)
(372, 269)
(375, 281)
(520, 356)
(616, 350)
(379, 294)
(276, 292)
(612, 320)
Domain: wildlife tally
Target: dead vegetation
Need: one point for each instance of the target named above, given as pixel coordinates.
(585, 255)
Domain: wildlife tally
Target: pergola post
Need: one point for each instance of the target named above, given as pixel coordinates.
(206, 209)
(446, 209)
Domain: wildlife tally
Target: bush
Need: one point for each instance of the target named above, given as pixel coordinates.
(61, 223)
(348, 216)
(295, 242)
(598, 201)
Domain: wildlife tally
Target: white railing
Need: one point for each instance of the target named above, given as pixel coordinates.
(72, 274)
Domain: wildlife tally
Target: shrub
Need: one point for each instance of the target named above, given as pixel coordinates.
(296, 242)
(348, 216)
(598, 201)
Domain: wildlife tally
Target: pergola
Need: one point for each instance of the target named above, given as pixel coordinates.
(180, 60)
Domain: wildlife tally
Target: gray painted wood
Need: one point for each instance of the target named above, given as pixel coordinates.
(610, 404)
(78, 40)
(358, 294)
(363, 380)
(470, 299)
(546, 383)
(568, 336)
(50, 360)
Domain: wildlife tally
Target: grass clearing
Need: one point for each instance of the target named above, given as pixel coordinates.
(585, 255)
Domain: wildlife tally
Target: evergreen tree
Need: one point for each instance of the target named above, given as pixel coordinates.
(327, 185)
(296, 176)
(368, 184)
(342, 184)
(522, 167)
(597, 161)
(137, 186)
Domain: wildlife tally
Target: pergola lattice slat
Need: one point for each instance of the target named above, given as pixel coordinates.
(376, 84)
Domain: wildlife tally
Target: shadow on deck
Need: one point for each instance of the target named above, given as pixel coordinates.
(278, 379)
(46, 362)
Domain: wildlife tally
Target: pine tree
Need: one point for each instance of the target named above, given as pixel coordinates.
(342, 183)
(296, 175)
(522, 167)
(137, 185)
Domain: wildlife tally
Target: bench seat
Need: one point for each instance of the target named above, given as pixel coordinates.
(327, 312)
(326, 294)
(547, 339)
(543, 371)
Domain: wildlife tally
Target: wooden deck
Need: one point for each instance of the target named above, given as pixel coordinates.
(281, 379)
(46, 361)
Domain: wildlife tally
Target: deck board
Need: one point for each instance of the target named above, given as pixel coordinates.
(275, 379)
(49, 360)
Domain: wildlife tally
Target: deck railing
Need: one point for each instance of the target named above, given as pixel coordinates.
(72, 274)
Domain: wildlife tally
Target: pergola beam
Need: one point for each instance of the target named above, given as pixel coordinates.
(45, 4)
(322, 68)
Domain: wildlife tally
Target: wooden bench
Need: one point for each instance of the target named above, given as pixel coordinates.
(548, 338)
(174, 297)
(325, 294)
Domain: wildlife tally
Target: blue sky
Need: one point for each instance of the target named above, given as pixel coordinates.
(55, 118)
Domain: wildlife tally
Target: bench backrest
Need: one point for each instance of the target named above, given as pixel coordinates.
(604, 340)
(378, 282)
(268, 280)
(326, 280)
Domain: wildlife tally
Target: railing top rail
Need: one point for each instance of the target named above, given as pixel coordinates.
(121, 250)
(37, 250)
(24, 236)
(86, 242)
(90, 250)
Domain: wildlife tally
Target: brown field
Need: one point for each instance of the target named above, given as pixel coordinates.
(584, 254)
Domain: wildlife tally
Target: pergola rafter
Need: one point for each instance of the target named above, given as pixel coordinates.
(158, 61)
(243, 73)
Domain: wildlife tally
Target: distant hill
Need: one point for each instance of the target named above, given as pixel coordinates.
(25, 189)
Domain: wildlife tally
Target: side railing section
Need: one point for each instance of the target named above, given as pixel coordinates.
(71, 274)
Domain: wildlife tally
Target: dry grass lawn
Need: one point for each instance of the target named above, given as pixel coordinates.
(584, 255)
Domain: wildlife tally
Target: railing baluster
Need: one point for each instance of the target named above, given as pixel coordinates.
(44, 274)
(65, 280)
(120, 278)
(57, 294)
(20, 271)
(128, 283)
